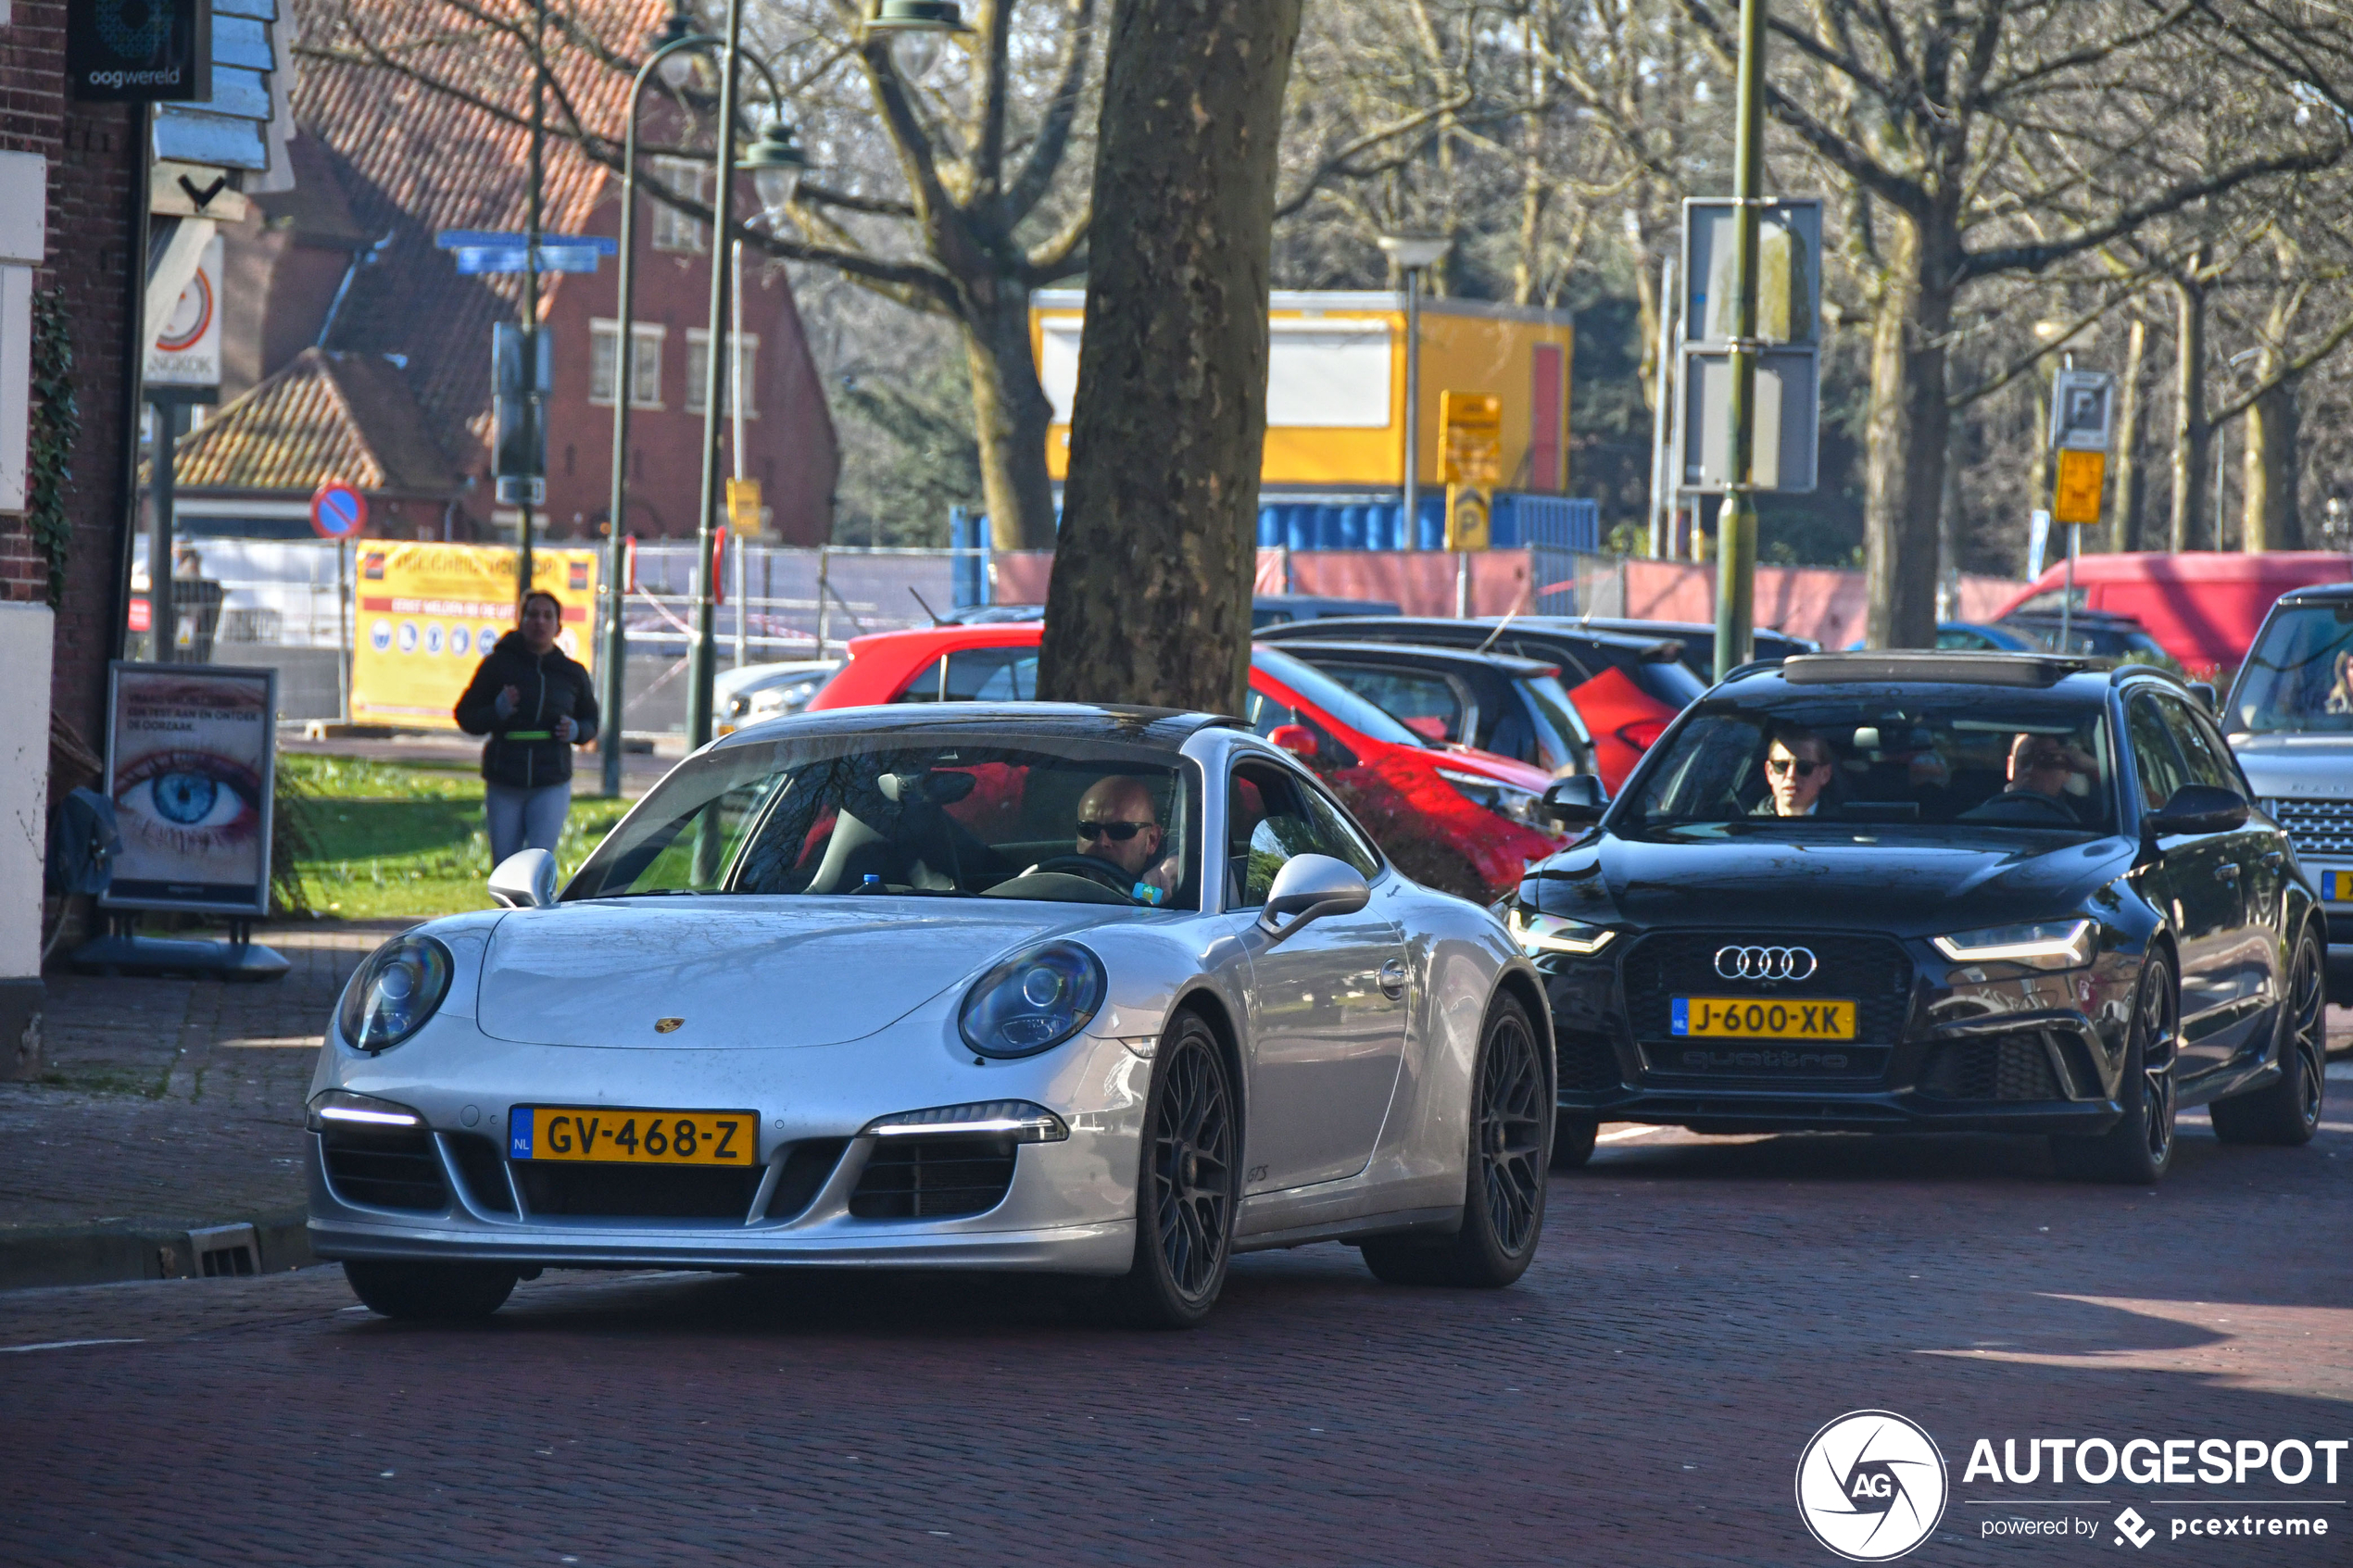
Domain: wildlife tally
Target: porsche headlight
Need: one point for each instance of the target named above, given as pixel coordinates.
(2051, 944)
(1033, 1001)
(1554, 933)
(395, 993)
(1514, 805)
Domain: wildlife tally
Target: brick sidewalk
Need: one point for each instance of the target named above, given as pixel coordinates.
(174, 1102)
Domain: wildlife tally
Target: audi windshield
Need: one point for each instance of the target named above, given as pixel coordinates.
(1927, 756)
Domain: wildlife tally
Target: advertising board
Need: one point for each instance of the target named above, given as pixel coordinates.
(190, 753)
(428, 612)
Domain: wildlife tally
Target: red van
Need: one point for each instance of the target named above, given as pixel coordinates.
(2203, 607)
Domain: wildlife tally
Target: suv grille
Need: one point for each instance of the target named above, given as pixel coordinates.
(1874, 971)
(934, 1178)
(1999, 1067)
(2315, 827)
(386, 1169)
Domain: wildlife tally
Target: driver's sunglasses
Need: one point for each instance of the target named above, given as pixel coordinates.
(1803, 769)
(1118, 833)
(2036, 761)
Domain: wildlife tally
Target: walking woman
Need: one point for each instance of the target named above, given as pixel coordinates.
(535, 704)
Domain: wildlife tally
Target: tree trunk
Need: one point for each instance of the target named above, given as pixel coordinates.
(2271, 521)
(1904, 479)
(2132, 480)
(1010, 419)
(1150, 599)
(2190, 433)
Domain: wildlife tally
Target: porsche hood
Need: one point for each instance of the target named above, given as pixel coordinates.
(737, 974)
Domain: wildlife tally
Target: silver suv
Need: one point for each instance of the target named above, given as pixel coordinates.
(2290, 719)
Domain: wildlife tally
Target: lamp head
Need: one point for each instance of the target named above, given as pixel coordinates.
(914, 28)
(776, 162)
(1414, 252)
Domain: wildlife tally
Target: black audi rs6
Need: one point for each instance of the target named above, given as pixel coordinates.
(1930, 891)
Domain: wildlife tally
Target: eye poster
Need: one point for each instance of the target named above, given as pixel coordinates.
(188, 768)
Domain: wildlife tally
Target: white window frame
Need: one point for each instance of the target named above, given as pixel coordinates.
(644, 361)
(698, 366)
(673, 231)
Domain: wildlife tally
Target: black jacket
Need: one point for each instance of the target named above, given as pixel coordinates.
(523, 751)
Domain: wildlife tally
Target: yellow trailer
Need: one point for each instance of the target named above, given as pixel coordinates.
(1336, 385)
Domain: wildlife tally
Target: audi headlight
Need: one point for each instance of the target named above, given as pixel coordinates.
(1505, 800)
(1554, 933)
(395, 993)
(2051, 944)
(1033, 1001)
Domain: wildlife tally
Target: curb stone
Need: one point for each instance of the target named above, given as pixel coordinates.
(35, 1255)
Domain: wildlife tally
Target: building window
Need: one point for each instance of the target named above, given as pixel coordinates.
(673, 231)
(645, 364)
(698, 369)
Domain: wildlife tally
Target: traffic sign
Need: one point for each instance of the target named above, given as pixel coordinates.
(2081, 475)
(2083, 411)
(337, 511)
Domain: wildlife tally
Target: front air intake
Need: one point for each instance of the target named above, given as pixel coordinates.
(915, 1178)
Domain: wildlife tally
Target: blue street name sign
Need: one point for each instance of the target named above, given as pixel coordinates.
(484, 251)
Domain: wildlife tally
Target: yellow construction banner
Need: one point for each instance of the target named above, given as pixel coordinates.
(1470, 438)
(427, 614)
(2081, 477)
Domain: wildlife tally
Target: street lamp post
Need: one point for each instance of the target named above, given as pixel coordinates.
(675, 44)
(1411, 254)
(891, 17)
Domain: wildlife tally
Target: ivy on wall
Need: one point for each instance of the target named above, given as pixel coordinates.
(56, 425)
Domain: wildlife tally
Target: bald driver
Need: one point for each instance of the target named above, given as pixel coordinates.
(1117, 823)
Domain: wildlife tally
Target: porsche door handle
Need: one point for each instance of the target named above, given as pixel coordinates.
(1393, 979)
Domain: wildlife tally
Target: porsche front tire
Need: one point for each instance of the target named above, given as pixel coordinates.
(1187, 1186)
(1511, 1120)
(429, 1292)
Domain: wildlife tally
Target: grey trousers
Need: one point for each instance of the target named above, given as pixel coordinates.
(525, 819)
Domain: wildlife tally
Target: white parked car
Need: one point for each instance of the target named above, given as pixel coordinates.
(1081, 990)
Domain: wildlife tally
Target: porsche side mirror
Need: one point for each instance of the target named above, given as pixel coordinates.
(1308, 888)
(1297, 739)
(2195, 808)
(525, 880)
(1578, 798)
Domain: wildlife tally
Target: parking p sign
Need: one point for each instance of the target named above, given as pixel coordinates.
(337, 511)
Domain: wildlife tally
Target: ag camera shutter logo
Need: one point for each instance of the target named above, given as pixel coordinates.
(1871, 1486)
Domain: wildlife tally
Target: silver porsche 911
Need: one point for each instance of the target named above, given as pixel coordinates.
(1076, 990)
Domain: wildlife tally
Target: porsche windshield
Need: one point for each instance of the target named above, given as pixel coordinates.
(1995, 759)
(1054, 818)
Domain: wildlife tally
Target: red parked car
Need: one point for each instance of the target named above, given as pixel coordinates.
(1484, 807)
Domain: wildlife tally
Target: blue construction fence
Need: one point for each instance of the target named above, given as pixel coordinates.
(1517, 520)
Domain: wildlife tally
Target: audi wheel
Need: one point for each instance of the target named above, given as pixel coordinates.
(2139, 1148)
(2287, 1111)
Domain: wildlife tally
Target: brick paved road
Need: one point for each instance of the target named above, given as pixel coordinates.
(177, 1101)
(1700, 1307)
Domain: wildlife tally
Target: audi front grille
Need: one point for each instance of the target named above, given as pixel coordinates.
(1874, 971)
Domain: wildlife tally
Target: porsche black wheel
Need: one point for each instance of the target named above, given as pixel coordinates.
(1186, 1188)
(429, 1292)
(1511, 1125)
(2288, 1110)
(2140, 1146)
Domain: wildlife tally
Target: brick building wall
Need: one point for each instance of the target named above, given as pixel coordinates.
(95, 160)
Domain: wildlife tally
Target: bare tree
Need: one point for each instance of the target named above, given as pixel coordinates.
(1150, 599)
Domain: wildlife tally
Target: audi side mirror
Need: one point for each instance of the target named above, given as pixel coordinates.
(1308, 888)
(524, 880)
(1578, 798)
(2203, 691)
(2195, 808)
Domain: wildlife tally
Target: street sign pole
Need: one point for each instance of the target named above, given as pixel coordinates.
(699, 648)
(1736, 521)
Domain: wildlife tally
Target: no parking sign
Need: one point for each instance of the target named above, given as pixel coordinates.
(337, 511)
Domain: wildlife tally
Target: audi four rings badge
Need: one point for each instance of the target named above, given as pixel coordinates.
(1766, 963)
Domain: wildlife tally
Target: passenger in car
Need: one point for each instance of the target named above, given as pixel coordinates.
(1797, 770)
(1118, 822)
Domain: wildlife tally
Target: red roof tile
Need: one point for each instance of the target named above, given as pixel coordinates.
(324, 417)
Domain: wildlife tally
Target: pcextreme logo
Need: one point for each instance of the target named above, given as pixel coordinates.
(1870, 1485)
